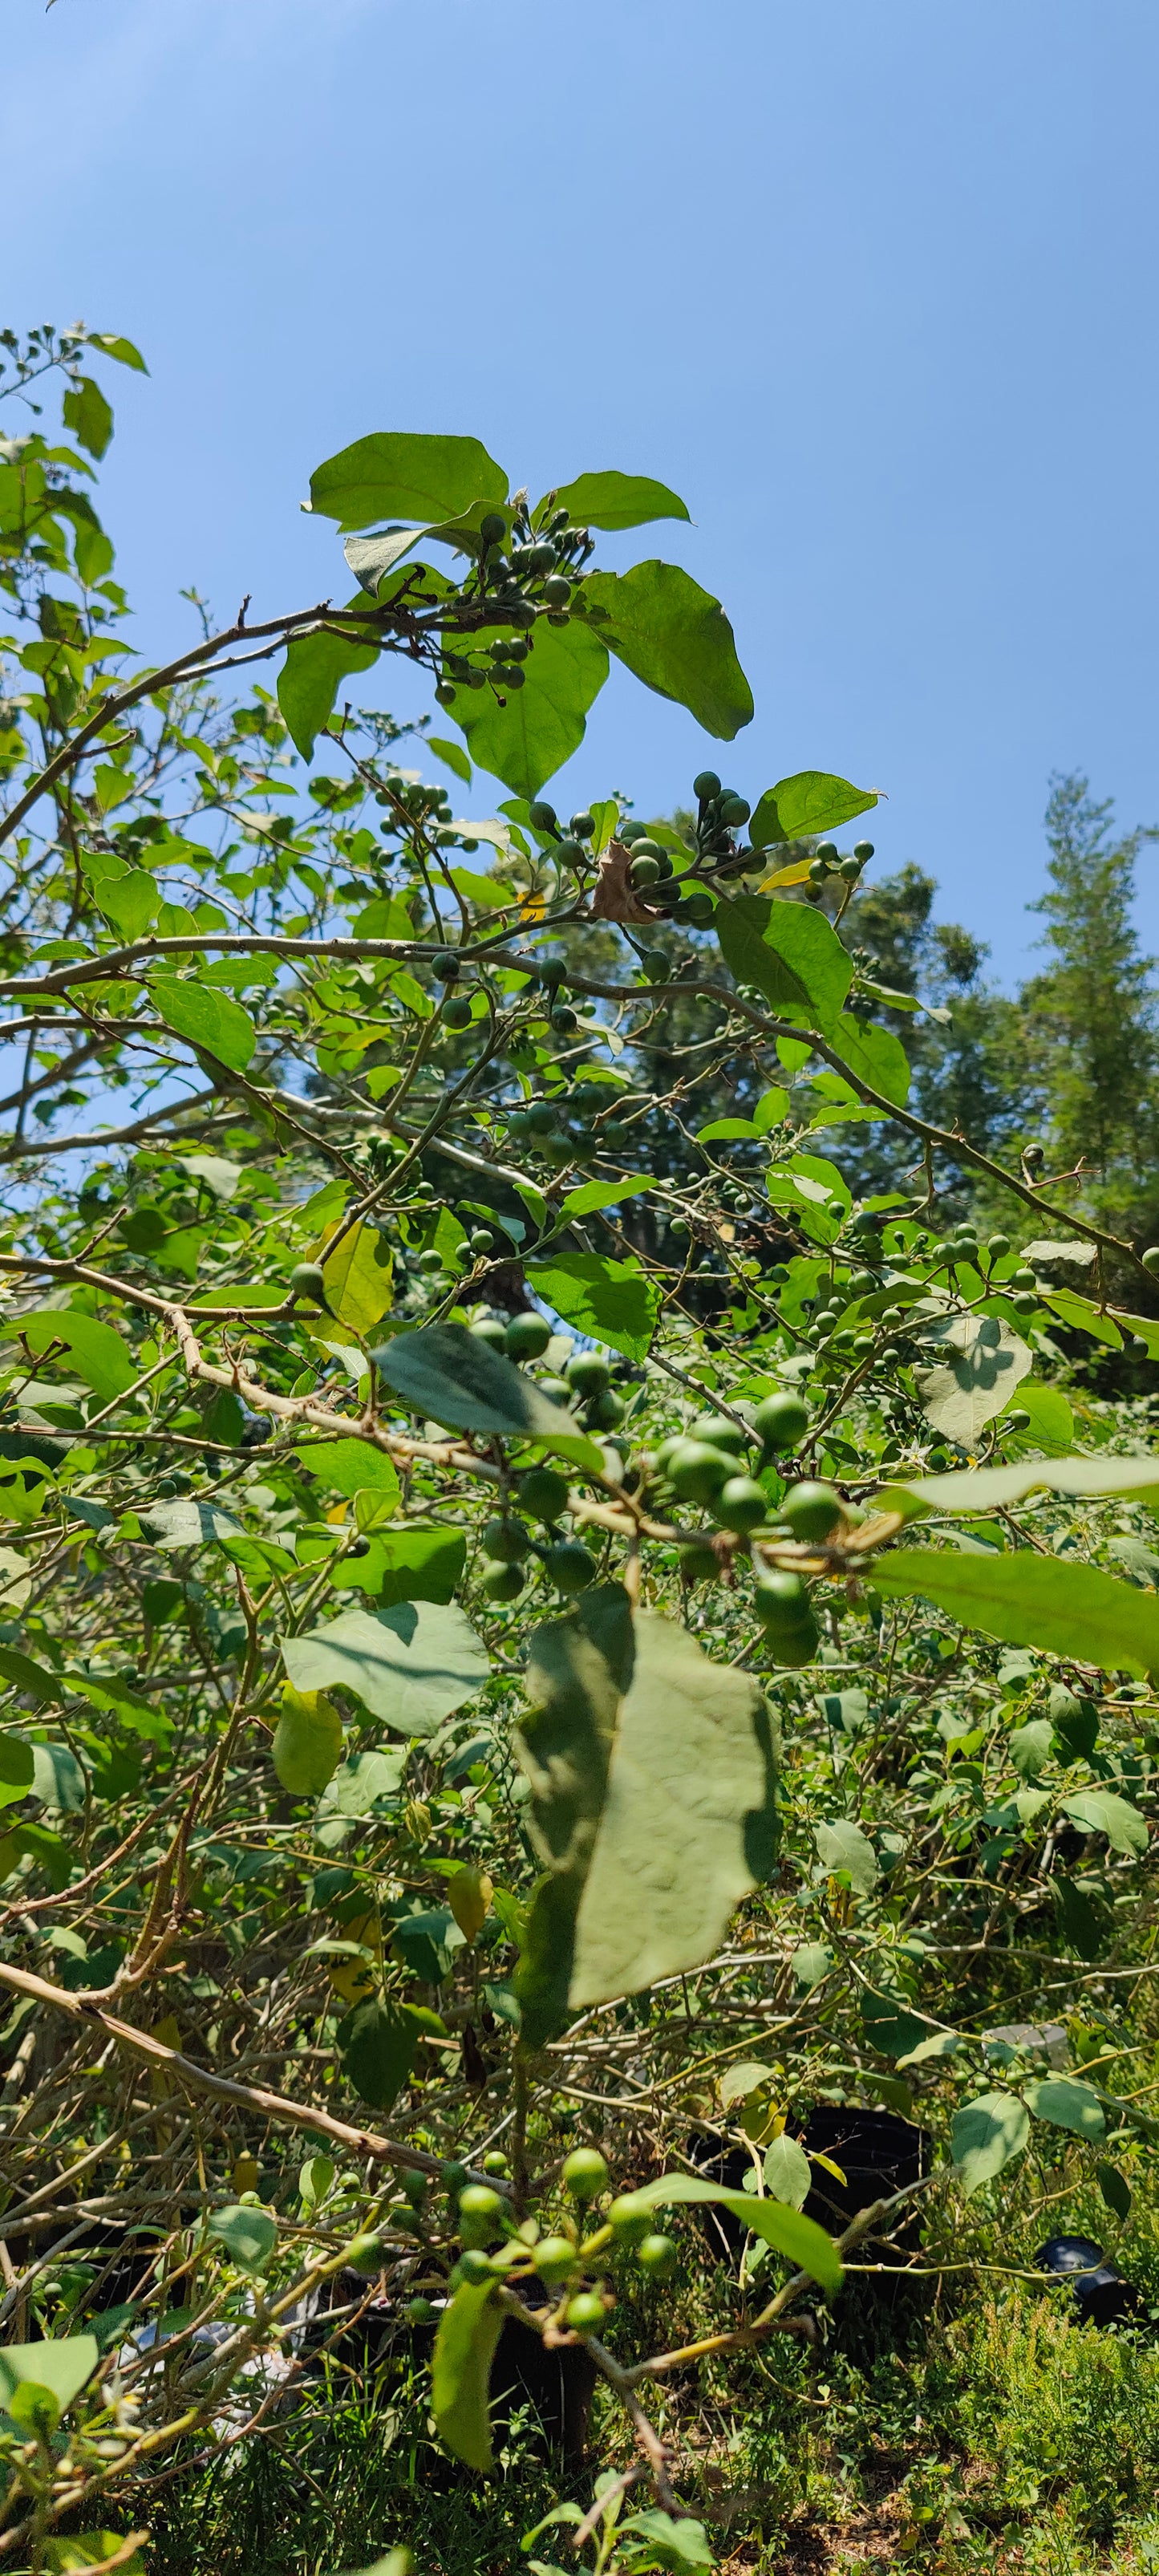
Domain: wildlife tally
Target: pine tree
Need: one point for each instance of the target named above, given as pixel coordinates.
(1088, 1022)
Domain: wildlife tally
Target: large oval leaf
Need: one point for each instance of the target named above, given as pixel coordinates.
(524, 735)
(448, 1374)
(614, 500)
(811, 802)
(1030, 1600)
(401, 474)
(677, 640)
(797, 2237)
(410, 1666)
(205, 1018)
(461, 2369)
(791, 953)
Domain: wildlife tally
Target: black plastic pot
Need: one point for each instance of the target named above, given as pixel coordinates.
(1100, 2293)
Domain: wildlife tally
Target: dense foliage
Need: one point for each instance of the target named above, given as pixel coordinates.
(486, 1755)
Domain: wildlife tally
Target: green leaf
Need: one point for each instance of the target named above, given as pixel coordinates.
(72, 2555)
(372, 558)
(17, 1768)
(1081, 1316)
(379, 2043)
(359, 1276)
(469, 2330)
(184, 1522)
(657, 2539)
(97, 1352)
(130, 902)
(1051, 1424)
(614, 500)
(990, 1489)
(842, 1845)
(788, 2174)
(677, 640)
(426, 1938)
(89, 416)
(349, 1467)
(812, 802)
(612, 1301)
(307, 1744)
(413, 1564)
(58, 1779)
(592, 1195)
(205, 1018)
(984, 1363)
(312, 674)
(986, 2135)
(62, 2364)
(652, 1805)
(449, 1375)
(113, 346)
(800, 2239)
(1031, 1747)
(360, 1782)
(410, 1666)
(890, 2026)
(1067, 2105)
(874, 1056)
(525, 740)
(1099, 1811)
(399, 474)
(452, 756)
(1030, 1600)
(1115, 2190)
(248, 2235)
(791, 953)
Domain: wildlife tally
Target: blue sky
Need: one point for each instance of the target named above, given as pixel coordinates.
(871, 285)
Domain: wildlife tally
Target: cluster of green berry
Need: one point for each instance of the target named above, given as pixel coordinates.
(704, 1465)
(827, 862)
(529, 573)
(564, 2262)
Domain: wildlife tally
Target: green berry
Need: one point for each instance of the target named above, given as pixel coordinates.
(367, 2255)
(1150, 1258)
(863, 850)
(582, 825)
(630, 2218)
(585, 2313)
(503, 1582)
(782, 1421)
(659, 2256)
(506, 1539)
(420, 2312)
(555, 2259)
(480, 2211)
(999, 1246)
(414, 2188)
(445, 693)
(542, 818)
(489, 1329)
(543, 1493)
(527, 1337)
(492, 529)
(541, 1117)
(481, 1240)
(556, 590)
(307, 1281)
(734, 810)
(698, 1471)
(472, 2267)
(706, 786)
(812, 1511)
(495, 2162)
(457, 1013)
(741, 1505)
(699, 1563)
(563, 1021)
(585, 2173)
(719, 1433)
(605, 1410)
(644, 872)
(588, 1373)
(570, 1566)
